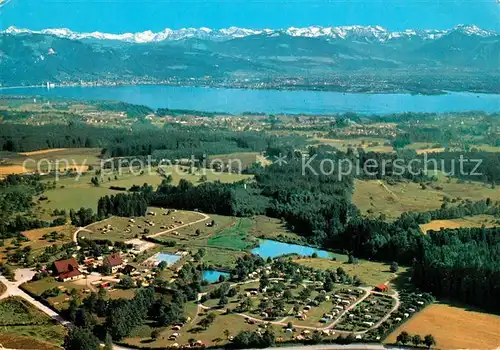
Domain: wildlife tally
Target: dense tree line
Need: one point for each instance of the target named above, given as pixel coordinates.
(126, 205)
(16, 202)
(475, 166)
(171, 142)
(461, 264)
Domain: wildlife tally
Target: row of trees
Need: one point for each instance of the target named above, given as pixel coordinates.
(405, 338)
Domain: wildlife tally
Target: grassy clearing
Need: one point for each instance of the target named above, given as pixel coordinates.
(72, 198)
(120, 225)
(453, 327)
(371, 273)
(271, 228)
(26, 327)
(245, 159)
(37, 242)
(375, 197)
(38, 234)
(468, 221)
(233, 237)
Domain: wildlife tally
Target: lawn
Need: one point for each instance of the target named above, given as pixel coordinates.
(453, 327)
(26, 327)
(375, 197)
(370, 273)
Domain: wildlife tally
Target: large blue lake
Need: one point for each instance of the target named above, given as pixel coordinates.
(271, 101)
(272, 249)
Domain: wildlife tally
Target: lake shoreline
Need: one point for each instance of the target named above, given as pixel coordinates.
(339, 89)
(238, 101)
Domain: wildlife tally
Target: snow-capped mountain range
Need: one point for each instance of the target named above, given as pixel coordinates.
(370, 33)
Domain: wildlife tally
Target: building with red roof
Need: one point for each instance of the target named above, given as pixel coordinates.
(67, 270)
(382, 288)
(114, 262)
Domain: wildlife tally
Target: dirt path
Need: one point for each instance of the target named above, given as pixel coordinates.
(381, 183)
(205, 218)
(75, 235)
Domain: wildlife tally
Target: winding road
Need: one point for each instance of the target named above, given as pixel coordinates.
(330, 327)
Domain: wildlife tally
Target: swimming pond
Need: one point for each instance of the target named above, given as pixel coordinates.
(272, 249)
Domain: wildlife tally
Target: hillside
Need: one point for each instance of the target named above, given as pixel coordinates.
(364, 59)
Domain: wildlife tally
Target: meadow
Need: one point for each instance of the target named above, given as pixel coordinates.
(38, 240)
(453, 327)
(375, 197)
(74, 192)
(369, 144)
(371, 273)
(25, 327)
(468, 221)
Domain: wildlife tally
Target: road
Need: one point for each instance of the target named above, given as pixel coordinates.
(78, 230)
(13, 290)
(338, 319)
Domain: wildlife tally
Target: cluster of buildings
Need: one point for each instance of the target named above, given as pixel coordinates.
(70, 270)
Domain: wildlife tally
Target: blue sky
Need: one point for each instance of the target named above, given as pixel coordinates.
(116, 16)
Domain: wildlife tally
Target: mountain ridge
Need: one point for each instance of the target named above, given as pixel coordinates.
(369, 33)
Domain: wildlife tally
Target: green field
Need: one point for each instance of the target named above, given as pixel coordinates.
(234, 237)
(375, 197)
(74, 192)
(121, 229)
(21, 323)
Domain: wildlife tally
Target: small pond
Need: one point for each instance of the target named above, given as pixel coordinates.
(269, 248)
(212, 276)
